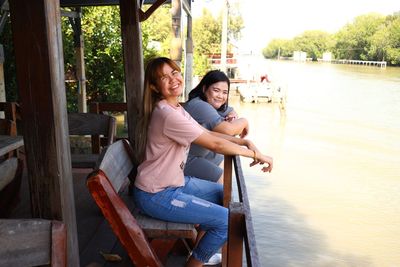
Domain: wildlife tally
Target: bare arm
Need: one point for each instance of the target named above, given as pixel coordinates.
(229, 145)
(234, 127)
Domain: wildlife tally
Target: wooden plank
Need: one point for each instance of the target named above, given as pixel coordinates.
(227, 181)
(8, 168)
(235, 235)
(40, 78)
(58, 244)
(176, 42)
(84, 160)
(117, 164)
(25, 242)
(10, 185)
(95, 125)
(249, 235)
(88, 123)
(72, 3)
(10, 143)
(103, 240)
(100, 107)
(10, 110)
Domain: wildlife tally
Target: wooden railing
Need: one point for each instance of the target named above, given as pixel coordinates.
(104, 108)
(240, 221)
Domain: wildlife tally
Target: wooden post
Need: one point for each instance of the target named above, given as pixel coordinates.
(189, 57)
(36, 27)
(133, 65)
(2, 83)
(235, 235)
(176, 42)
(80, 61)
(227, 198)
(224, 36)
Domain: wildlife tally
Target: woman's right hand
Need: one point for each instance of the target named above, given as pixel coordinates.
(231, 116)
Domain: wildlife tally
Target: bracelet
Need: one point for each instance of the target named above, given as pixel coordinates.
(254, 155)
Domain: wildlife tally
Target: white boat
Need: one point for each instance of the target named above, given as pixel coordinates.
(256, 92)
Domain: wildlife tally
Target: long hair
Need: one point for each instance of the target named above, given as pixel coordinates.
(152, 95)
(210, 78)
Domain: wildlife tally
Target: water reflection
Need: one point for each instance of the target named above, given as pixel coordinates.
(291, 241)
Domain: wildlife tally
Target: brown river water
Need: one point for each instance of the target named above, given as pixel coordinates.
(333, 197)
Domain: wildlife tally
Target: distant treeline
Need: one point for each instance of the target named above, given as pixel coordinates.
(371, 37)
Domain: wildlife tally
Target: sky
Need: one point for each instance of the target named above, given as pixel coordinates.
(265, 20)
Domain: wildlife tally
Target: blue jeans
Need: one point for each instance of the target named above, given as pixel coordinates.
(197, 202)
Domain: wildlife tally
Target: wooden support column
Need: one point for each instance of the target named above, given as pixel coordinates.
(80, 60)
(36, 27)
(2, 83)
(133, 65)
(224, 36)
(176, 43)
(189, 58)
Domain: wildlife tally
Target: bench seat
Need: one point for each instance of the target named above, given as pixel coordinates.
(146, 240)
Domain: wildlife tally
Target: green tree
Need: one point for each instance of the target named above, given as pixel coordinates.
(314, 43)
(385, 43)
(103, 55)
(207, 37)
(157, 30)
(353, 41)
(278, 47)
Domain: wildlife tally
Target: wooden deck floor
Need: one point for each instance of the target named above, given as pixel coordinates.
(94, 233)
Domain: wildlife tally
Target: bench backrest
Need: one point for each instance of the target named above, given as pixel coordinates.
(10, 185)
(32, 242)
(95, 125)
(116, 163)
(8, 127)
(104, 183)
(92, 124)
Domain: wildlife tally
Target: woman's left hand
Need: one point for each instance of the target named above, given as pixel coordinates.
(262, 159)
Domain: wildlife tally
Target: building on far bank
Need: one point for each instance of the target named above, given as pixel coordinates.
(299, 56)
(231, 63)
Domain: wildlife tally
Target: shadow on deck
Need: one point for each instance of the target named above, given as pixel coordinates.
(94, 233)
(96, 237)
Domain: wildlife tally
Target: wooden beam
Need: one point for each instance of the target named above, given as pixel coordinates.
(36, 27)
(133, 66)
(176, 42)
(187, 7)
(147, 14)
(74, 3)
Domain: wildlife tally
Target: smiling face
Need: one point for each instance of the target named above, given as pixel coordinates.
(170, 83)
(217, 94)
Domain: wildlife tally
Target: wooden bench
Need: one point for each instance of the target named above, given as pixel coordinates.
(32, 242)
(147, 241)
(11, 123)
(95, 125)
(10, 185)
(11, 111)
